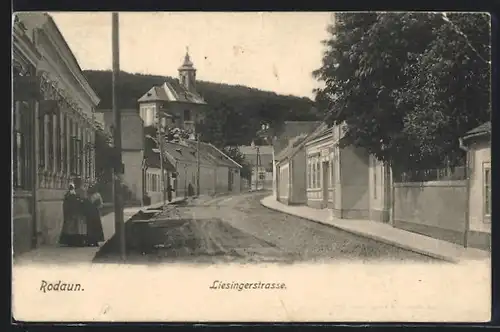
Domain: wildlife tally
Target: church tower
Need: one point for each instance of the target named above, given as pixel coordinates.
(187, 73)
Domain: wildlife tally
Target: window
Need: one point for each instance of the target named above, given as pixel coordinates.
(64, 143)
(21, 154)
(155, 182)
(79, 144)
(58, 138)
(41, 141)
(90, 153)
(75, 152)
(187, 115)
(50, 142)
(313, 175)
(487, 190)
(308, 173)
(332, 169)
(330, 174)
(318, 174)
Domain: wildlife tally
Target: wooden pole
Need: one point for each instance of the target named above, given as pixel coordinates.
(118, 173)
(257, 170)
(160, 146)
(198, 165)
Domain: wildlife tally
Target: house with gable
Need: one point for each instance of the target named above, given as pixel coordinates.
(283, 135)
(291, 169)
(318, 170)
(179, 98)
(184, 158)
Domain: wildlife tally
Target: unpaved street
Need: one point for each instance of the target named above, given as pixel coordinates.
(239, 229)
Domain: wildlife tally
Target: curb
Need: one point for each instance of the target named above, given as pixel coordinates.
(373, 237)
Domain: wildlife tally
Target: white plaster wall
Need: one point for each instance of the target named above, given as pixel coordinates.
(133, 172)
(480, 156)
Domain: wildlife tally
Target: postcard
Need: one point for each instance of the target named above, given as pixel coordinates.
(251, 167)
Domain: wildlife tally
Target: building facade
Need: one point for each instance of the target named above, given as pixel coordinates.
(53, 129)
(317, 170)
(283, 137)
(477, 142)
(177, 98)
(322, 169)
(132, 150)
(260, 159)
(292, 176)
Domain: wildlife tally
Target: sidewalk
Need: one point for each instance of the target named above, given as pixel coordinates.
(53, 254)
(385, 233)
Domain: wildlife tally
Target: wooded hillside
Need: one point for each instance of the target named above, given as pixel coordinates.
(236, 114)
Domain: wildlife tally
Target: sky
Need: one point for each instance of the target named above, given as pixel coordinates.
(269, 51)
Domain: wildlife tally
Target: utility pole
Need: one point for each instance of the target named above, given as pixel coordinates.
(160, 145)
(198, 164)
(118, 169)
(257, 170)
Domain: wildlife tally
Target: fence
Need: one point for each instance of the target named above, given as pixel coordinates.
(438, 174)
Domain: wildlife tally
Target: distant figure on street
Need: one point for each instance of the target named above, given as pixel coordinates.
(190, 190)
(74, 228)
(95, 233)
(169, 192)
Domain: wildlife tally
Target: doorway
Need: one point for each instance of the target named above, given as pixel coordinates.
(325, 183)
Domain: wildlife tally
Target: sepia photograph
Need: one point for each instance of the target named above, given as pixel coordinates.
(251, 167)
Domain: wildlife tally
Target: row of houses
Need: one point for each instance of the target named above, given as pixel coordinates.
(315, 168)
(187, 163)
(56, 120)
(53, 129)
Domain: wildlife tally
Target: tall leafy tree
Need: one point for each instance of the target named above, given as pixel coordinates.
(449, 88)
(384, 77)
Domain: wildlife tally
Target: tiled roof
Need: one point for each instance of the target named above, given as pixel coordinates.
(484, 128)
(250, 150)
(296, 142)
(291, 129)
(481, 131)
(153, 160)
(213, 153)
(184, 152)
(172, 91)
(323, 132)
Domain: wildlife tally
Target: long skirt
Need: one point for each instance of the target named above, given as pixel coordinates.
(74, 231)
(95, 233)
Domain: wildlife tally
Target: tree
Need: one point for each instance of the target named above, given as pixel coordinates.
(173, 134)
(453, 78)
(386, 74)
(235, 154)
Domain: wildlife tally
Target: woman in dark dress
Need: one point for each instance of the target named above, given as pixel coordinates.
(74, 230)
(95, 232)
